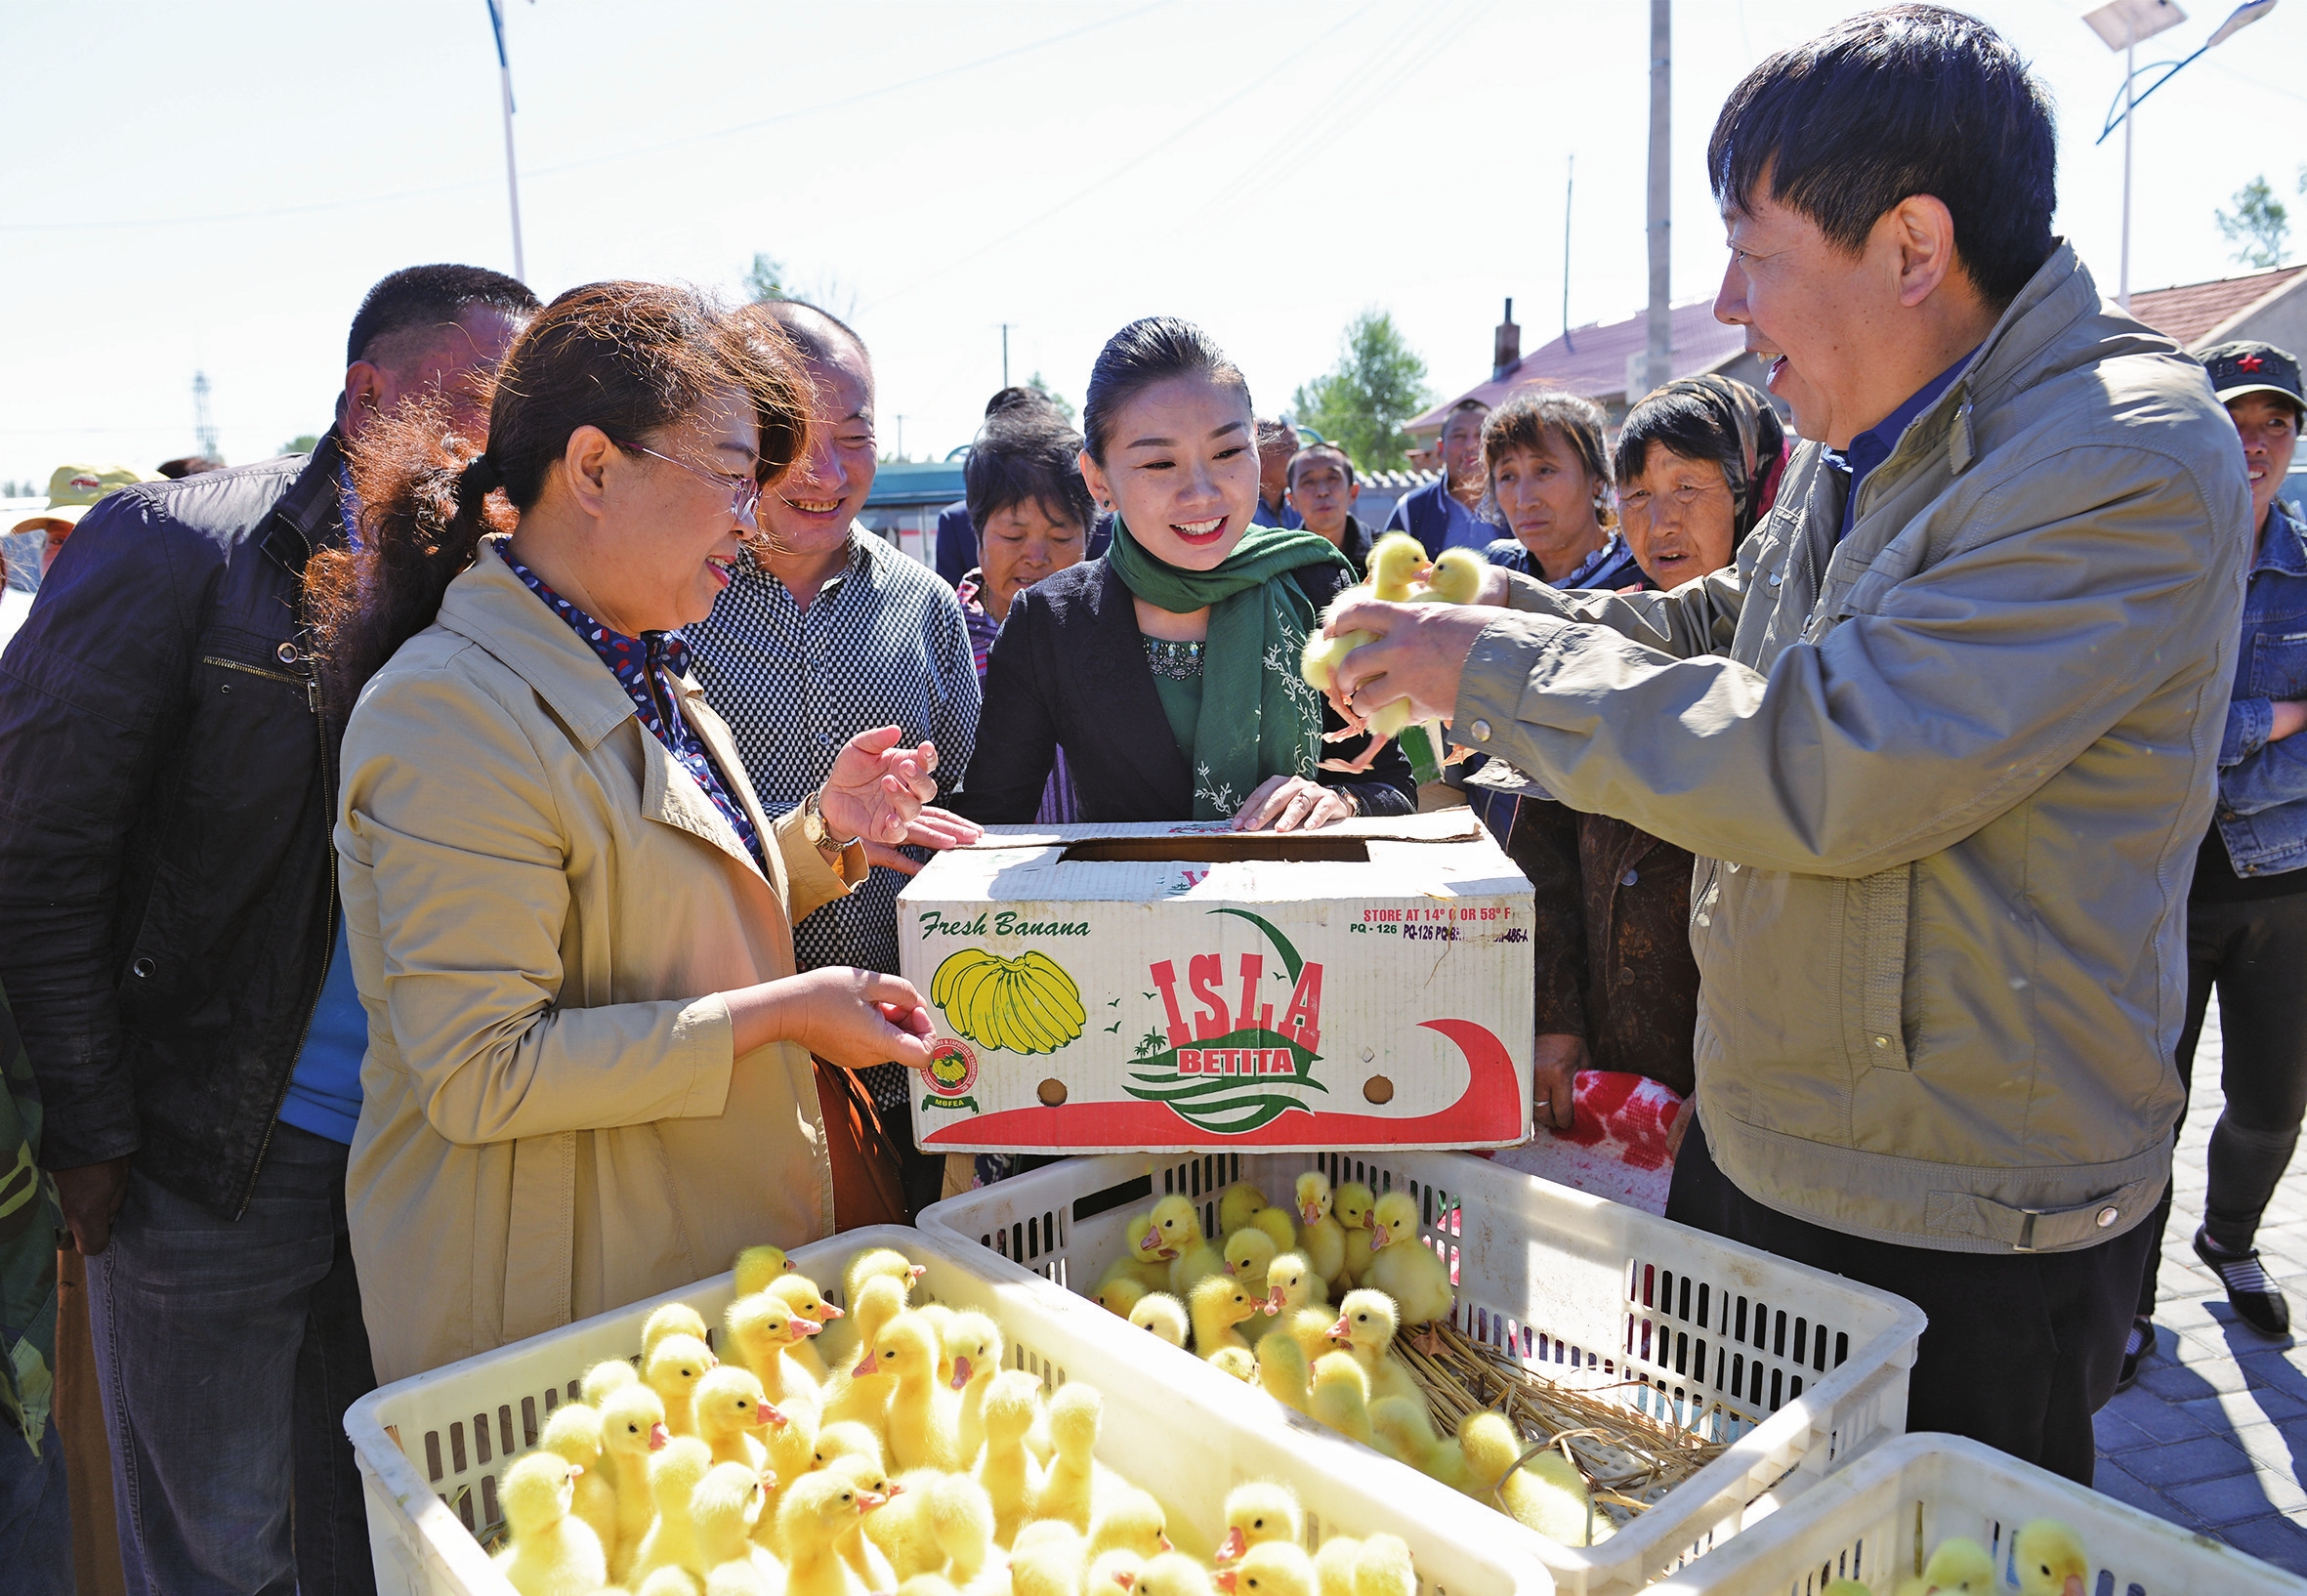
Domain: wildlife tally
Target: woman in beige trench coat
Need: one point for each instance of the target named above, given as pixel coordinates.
(589, 1074)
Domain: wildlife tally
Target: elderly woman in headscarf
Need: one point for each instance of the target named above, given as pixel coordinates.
(1697, 466)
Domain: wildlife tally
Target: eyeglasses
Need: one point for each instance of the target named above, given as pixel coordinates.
(744, 492)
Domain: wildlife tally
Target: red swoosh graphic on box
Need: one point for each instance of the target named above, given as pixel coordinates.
(1484, 1112)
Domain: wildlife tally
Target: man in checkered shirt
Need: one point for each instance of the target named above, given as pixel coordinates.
(839, 634)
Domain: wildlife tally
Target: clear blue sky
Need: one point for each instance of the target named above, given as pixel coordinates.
(190, 184)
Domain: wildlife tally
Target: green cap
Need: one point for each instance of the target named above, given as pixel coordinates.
(73, 489)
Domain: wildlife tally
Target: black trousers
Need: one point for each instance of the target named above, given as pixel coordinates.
(2255, 954)
(2022, 1348)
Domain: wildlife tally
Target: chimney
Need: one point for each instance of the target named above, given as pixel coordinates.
(1506, 354)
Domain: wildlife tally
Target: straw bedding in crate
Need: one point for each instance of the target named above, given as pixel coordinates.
(1628, 1458)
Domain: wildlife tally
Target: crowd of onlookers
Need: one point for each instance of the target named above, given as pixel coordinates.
(448, 879)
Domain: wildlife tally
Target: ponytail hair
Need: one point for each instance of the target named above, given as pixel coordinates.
(1151, 350)
(631, 359)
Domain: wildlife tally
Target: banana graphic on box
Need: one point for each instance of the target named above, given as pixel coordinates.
(1023, 1005)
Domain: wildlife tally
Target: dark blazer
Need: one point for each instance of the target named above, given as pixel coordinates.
(1069, 668)
(167, 880)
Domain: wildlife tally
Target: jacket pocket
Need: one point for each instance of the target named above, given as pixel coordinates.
(1875, 969)
(2279, 665)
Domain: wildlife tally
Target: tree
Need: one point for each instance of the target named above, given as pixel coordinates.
(1063, 404)
(766, 280)
(2260, 226)
(1360, 404)
(302, 443)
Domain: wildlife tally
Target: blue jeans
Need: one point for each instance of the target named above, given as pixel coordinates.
(35, 1517)
(228, 1351)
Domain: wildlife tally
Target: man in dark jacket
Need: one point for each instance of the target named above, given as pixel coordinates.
(169, 934)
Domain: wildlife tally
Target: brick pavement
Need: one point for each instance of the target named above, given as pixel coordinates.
(2215, 1435)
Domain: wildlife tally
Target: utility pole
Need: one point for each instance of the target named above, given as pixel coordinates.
(1569, 181)
(1005, 326)
(900, 438)
(496, 22)
(203, 425)
(1659, 354)
(2130, 74)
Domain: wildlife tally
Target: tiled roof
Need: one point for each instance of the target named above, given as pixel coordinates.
(2191, 310)
(1592, 360)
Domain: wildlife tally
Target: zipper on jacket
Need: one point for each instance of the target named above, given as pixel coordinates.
(311, 683)
(259, 670)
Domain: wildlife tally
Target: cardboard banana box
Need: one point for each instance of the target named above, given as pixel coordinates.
(1172, 987)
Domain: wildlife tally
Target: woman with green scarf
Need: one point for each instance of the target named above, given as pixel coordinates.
(1169, 668)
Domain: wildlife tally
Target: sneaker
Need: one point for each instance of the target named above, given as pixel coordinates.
(2250, 1292)
(2135, 1349)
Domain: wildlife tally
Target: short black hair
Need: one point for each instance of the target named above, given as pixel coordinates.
(1026, 456)
(1014, 398)
(797, 319)
(1321, 451)
(1909, 100)
(1151, 350)
(428, 296)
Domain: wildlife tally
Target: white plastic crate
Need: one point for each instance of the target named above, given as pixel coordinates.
(433, 1447)
(1798, 1370)
(1875, 1520)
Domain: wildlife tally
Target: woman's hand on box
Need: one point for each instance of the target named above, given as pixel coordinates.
(851, 1018)
(1291, 803)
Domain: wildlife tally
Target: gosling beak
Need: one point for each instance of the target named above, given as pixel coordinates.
(659, 1437)
(1339, 1332)
(1125, 1579)
(916, 1270)
(1274, 1300)
(867, 1365)
(809, 1327)
(831, 1313)
(769, 1479)
(2073, 1585)
(1223, 1581)
(960, 1371)
(1151, 1243)
(575, 1469)
(867, 1500)
(1166, 1545)
(766, 1414)
(894, 1490)
(1379, 1235)
(1229, 1269)
(1310, 1213)
(1235, 1544)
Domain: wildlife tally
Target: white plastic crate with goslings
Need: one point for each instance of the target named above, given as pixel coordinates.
(432, 1448)
(1796, 1370)
(1876, 1521)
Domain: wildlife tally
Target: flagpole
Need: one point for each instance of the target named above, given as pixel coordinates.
(496, 22)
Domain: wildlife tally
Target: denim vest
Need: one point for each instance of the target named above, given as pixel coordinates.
(2262, 811)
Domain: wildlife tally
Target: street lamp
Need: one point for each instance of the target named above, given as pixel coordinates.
(2122, 23)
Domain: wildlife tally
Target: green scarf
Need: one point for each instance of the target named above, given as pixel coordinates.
(1258, 716)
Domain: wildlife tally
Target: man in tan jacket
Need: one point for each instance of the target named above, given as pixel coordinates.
(1943, 740)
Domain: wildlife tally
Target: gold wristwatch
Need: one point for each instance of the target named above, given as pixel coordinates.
(819, 834)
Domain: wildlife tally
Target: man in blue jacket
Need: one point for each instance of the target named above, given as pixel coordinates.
(1440, 515)
(170, 939)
